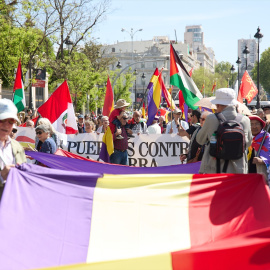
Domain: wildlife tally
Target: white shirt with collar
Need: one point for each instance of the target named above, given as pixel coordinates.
(184, 124)
(6, 155)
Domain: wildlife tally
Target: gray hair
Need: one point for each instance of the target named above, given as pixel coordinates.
(205, 113)
(43, 127)
(47, 122)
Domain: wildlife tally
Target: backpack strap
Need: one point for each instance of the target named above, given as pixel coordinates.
(220, 117)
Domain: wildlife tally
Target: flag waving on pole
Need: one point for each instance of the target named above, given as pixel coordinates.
(180, 78)
(59, 110)
(190, 72)
(108, 102)
(202, 88)
(214, 86)
(18, 90)
(248, 89)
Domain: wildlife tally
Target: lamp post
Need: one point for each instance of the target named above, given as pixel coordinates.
(30, 85)
(69, 44)
(246, 52)
(238, 62)
(118, 65)
(131, 33)
(143, 83)
(135, 73)
(259, 36)
(232, 71)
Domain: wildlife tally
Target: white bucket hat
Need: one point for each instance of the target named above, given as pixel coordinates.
(121, 103)
(225, 96)
(8, 110)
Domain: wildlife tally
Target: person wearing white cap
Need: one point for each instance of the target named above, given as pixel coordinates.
(225, 102)
(11, 152)
(172, 127)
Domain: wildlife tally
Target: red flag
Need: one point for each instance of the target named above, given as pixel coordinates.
(190, 72)
(214, 86)
(108, 102)
(143, 110)
(59, 110)
(248, 89)
(202, 88)
(34, 120)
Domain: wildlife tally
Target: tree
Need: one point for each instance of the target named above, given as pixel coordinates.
(264, 70)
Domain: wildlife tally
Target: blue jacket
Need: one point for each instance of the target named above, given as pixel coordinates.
(48, 146)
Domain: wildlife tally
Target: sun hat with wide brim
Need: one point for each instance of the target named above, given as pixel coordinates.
(121, 103)
(8, 110)
(257, 118)
(177, 110)
(225, 96)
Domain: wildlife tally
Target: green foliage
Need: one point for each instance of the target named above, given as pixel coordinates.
(222, 77)
(264, 70)
(19, 42)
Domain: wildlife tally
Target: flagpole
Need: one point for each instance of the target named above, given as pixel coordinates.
(204, 88)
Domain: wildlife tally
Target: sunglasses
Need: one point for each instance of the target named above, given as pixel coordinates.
(125, 118)
(203, 119)
(10, 121)
(39, 132)
(14, 130)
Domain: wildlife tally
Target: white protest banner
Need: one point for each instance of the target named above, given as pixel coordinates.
(143, 151)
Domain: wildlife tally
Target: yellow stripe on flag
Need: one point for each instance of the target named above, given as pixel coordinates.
(157, 262)
(139, 215)
(108, 140)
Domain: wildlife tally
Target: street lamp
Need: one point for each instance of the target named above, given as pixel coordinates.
(131, 33)
(259, 36)
(238, 62)
(118, 65)
(246, 52)
(232, 71)
(135, 73)
(68, 43)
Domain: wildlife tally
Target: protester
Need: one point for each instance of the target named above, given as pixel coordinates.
(53, 132)
(194, 124)
(120, 156)
(98, 122)
(11, 152)
(80, 124)
(89, 126)
(105, 124)
(30, 123)
(172, 127)
(196, 150)
(46, 143)
(137, 125)
(14, 130)
(162, 124)
(116, 115)
(259, 162)
(225, 102)
(154, 128)
(261, 114)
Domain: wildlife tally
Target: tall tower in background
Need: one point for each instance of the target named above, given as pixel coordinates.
(193, 36)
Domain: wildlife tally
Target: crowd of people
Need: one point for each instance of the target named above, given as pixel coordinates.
(199, 129)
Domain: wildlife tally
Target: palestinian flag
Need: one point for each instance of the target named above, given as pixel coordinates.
(18, 90)
(180, 78)
(59, 110)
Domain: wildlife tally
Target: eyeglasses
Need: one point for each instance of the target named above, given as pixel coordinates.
(203, 119)
(39, 132)
(125, 118)
(10, 121)
(14, 130)
(191, 115)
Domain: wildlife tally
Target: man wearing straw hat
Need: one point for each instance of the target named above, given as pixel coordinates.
(225, 102)
(11, 152)
(173, 126)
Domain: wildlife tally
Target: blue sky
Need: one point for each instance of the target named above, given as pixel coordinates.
(223, 22)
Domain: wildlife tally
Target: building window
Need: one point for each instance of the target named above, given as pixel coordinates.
(142, 65)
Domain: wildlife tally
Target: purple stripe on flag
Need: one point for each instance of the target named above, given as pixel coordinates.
(45, 217)
(72, 164)
(186, 112)
(103, 154)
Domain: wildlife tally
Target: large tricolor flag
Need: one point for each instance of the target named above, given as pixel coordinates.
(166, 94)
(168, 222)
(18, 89)
(154, 95)
(108, 102)
(180, 78)
(59, 110)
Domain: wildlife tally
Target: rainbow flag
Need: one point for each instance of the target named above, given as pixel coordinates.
(157, 221)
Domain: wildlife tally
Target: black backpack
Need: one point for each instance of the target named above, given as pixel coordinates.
(231, 143)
